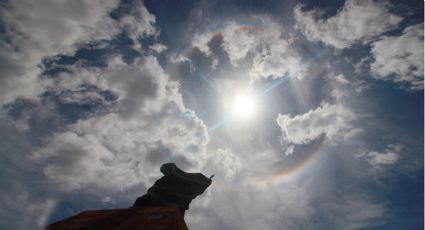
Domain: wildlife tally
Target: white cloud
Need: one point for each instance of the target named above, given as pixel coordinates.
(275, 59)
(401, 58)
(201, 40)
(289, 150)
(36, 30)
(238, 41)
(272, 54)
(138, 22)
(388, 157)
(124, 148)
(330, 120)
(82, 97)
(227, 161)
(158, 47)
(357, 22)
(142, 86)
(340, 78)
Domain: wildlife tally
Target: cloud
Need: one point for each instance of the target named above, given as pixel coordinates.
(138, 22)
(401, 58)
(134, 119)
(32, 211)
(26, 201)
(238, 41)
(34, 31)
(356, 22)
(388, 157)
(264, 47)
(330, 120)
(347, 215)
(341, 79)
(279, 207)
(227, 161)
(158, 48)
(201, 40)
(275, 59)
(124, 147)
(82, 97)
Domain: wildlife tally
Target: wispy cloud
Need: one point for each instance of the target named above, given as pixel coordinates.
(356, 22)
(388, 157)
(400, 58)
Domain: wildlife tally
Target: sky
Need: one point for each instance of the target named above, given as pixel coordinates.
(309, 113)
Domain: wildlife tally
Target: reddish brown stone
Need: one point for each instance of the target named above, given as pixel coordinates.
(158, 218)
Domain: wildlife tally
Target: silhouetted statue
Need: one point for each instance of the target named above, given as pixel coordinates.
(176, 188)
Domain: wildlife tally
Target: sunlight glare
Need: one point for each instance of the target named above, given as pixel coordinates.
(243, 106)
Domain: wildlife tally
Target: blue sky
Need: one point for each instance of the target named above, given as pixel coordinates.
(310, 114)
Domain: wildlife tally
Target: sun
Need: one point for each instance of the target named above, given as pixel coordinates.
(244, 106)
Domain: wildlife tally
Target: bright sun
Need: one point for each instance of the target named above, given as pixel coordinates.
(243, 106)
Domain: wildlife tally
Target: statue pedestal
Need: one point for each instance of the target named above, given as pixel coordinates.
(149, 218)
